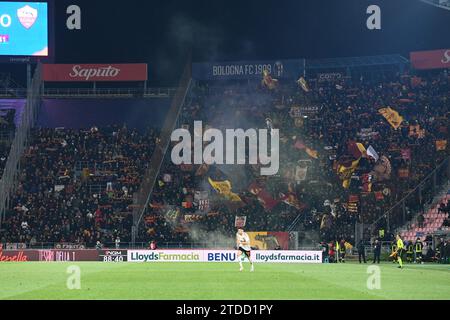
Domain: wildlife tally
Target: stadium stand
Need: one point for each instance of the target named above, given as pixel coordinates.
(10, 114)
(344, 159)
(322, 138)
(76, 186)
(7, 129)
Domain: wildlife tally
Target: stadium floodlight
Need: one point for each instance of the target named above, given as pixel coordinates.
(443, 4)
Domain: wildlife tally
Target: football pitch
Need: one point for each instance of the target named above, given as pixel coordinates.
(205, 281)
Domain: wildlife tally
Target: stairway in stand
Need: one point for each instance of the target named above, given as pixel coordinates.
(434, 221)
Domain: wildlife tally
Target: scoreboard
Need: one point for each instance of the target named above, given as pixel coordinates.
(25, 29)
(112, 255)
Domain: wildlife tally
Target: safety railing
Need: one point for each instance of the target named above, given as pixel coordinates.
(121, 245)
(443, 4)
(230, 245)
(142, 197)
(415, 201)
(92, 92)
(295, 222)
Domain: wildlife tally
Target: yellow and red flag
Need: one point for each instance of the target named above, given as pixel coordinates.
(268, 81)
(392, 116)
(345, 172)
(224, 188)
(264, 197)
(356, 149)
(312, 153)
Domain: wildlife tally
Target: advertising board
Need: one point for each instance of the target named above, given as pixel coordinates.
(433, 59)
(94, 72)
(235, 70)
(258, 256)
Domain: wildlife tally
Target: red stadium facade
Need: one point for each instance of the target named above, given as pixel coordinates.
(434, 59)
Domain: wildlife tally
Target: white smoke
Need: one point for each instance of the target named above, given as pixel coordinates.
(211, 239)
(186, 35)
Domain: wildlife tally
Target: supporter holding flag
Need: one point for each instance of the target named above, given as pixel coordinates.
(303, 84)
(263, 196)
(224, 188)
(268, 81)
(372, 153)
(345, 171)
(391, 116)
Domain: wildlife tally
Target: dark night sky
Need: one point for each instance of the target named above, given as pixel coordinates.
(160, 32)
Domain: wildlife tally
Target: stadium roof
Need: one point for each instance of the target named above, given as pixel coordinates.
(443, 4)
(352, 62)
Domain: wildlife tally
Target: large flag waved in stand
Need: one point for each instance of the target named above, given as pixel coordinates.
(312, 153)
(345, 172)
(303, 84)
(291, 199)
(268, 81)
(264, 197)
(224, 188)
(372, 153)
(356, 149)
(392, 116)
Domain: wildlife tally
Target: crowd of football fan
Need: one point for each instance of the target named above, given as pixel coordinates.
(77, 185)
(7, 128)
(338, 115)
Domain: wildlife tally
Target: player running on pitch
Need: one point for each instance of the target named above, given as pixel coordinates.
(243, 245)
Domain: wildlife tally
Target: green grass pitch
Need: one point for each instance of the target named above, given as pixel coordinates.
(190, 281)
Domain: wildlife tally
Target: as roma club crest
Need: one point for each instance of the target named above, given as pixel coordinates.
(27, 16)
